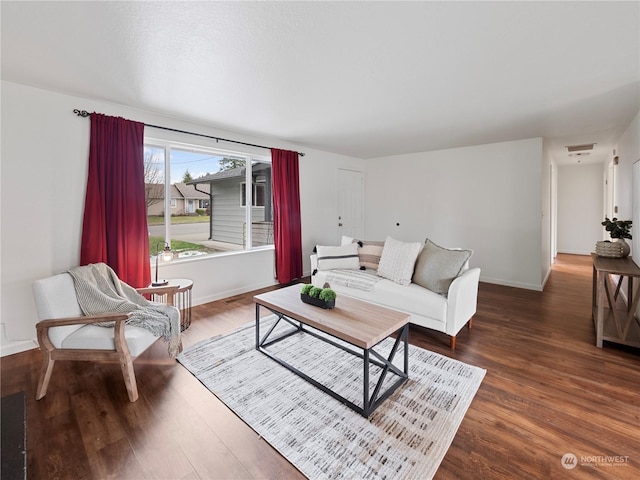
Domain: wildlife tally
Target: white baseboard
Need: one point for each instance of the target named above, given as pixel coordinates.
(527, 286)
(10, 348)
(576, 252)
(546, 277)
(230, 293)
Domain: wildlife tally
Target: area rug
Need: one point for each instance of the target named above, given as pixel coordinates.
(405, 438)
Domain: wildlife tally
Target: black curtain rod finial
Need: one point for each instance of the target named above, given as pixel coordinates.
(81, 113)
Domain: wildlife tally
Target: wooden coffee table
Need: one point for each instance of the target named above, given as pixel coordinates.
(360, 324)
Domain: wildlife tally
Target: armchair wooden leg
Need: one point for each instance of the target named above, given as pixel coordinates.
(129, 379)
(452, 342)
(470, 324)
(45, 374)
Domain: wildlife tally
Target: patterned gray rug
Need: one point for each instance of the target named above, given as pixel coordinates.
(405, 438)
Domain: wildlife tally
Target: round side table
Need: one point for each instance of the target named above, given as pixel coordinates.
(181, 300)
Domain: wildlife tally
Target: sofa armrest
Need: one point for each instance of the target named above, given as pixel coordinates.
(462, 300)
(314, 262)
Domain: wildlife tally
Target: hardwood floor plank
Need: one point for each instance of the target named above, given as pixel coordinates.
(548, 391)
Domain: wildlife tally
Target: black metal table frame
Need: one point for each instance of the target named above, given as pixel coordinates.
(370, 402)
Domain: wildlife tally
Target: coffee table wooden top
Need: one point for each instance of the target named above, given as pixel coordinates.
(360, 323)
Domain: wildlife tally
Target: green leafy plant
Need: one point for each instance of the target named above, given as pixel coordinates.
(315, 292)
(617, 228)
(327, 295)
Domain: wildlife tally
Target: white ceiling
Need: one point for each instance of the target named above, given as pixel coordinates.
(365, 79)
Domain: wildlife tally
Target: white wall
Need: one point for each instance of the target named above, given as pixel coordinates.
(485, 197)
(44, 166)
(547, 220)
(580, 193)
(628, 152)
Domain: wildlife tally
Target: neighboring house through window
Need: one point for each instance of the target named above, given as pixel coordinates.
(199, 211)
(258, 195)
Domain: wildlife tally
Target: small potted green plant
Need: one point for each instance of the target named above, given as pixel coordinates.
(320, 297)
(618, 231)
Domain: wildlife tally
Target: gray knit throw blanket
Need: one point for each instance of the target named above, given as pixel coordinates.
(99, 290)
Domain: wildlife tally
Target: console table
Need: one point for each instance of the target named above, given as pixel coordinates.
(181, 299)
(615, 319)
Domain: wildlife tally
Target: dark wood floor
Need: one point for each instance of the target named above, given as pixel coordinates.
(548, 391)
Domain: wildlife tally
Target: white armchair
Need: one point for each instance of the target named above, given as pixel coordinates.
(64, 333)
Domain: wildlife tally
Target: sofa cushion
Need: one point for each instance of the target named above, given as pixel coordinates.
(398, 260)
(411, 298)
(437, 267)
(101, 338)
(344, 256)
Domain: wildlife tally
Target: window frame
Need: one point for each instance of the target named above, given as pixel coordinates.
(250, 159)
(254, 196)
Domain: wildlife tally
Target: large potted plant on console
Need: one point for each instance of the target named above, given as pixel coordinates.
(618, 231)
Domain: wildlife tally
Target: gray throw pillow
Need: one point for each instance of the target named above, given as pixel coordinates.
(437, 267)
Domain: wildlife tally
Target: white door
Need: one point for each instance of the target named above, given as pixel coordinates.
(610, 193)
(350, 219)
(635, 212)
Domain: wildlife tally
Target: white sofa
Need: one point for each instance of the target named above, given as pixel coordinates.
(446, 313)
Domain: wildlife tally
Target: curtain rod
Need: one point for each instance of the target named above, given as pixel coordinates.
(84, 113)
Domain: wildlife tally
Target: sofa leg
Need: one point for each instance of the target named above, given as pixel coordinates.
(452, 342)
(470, 324)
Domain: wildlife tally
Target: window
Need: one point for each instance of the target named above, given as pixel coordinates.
(198, 211)
(258, 195)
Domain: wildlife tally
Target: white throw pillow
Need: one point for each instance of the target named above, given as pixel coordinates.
(345, 256)
(345, 240)
(398, 260)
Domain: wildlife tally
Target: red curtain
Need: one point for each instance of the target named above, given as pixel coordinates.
(287, 234)
(115, 214)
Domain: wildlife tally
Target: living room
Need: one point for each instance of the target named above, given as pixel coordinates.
(495, 190)
(500, 189)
